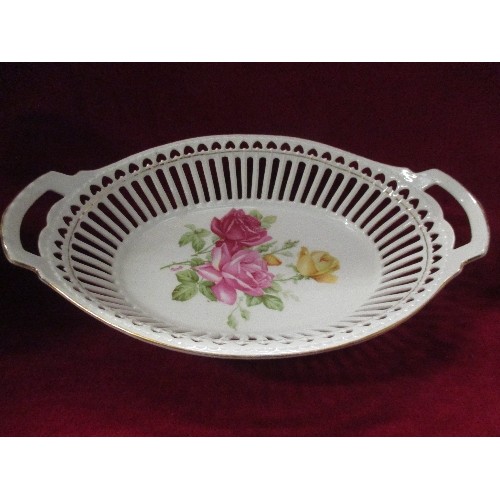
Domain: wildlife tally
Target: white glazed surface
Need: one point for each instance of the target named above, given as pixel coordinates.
(325, 316)
(139, 260)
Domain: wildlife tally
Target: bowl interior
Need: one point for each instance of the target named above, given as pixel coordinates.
(333, 247)
(148, 265)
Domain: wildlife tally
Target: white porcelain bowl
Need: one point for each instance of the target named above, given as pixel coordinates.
(247, 246)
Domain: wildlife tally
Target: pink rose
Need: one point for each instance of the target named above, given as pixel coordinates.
(239, 230)
(245, 271)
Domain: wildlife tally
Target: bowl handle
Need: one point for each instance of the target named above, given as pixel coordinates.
(14, 214)
(480, 234)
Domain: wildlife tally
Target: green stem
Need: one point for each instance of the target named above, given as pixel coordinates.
(295, 276)
(204, 250)
(269, 246)
(278, 251)
(175, 264)
(284, 247)
(238, 306)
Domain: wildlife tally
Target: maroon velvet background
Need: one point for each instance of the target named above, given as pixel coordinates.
(64, 373)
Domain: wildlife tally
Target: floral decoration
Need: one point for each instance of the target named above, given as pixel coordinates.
(231, 264)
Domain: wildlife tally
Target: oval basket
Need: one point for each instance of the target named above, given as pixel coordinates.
(247, 246)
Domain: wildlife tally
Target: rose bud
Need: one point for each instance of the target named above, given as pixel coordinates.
(272, 260)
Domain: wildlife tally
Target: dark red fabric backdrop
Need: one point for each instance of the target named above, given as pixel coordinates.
(64, 373)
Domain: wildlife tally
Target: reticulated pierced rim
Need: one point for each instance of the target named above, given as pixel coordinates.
(104, 238)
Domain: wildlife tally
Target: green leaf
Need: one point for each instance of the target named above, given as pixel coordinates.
(231, 322)
(256, 214)
(202, 232)
(253, 301)
(268, 221)
(245, 314)
(184, 291)
(286, 253)
(187, 276)
(206, 283)
(275, 287)
(196, 261)
(186, 238)
(272, 302)
(197, 243)
(206, 290)
(291, 243)
(191, 226)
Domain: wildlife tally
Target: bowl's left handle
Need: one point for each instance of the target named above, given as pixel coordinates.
(14, 214)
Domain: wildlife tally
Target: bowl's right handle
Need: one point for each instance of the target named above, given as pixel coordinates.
(14, 214)
(480, 234)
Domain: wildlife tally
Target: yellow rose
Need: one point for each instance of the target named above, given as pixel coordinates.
(272, 260)
(317, 265)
